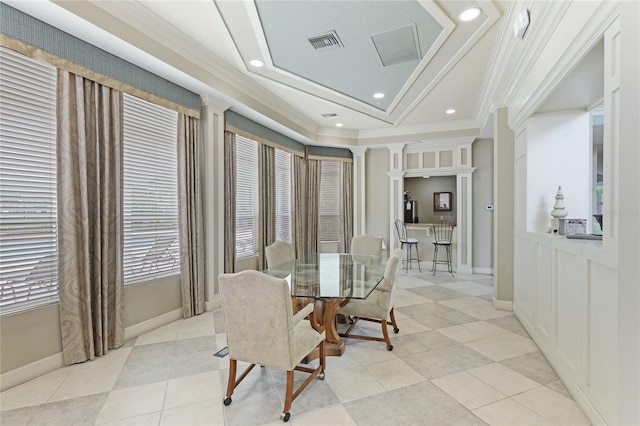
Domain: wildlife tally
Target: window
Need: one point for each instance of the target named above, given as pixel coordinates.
(246, 197)
(151, 246)
(28, 245)
(283, 195)
(330, 201)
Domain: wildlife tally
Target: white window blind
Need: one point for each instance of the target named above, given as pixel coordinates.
(330, 202)
(28, 244)
(151, 246)
(283, 195)
(246, 197)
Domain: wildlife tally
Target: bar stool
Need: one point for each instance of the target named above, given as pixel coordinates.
(442, 233)
(409, 243)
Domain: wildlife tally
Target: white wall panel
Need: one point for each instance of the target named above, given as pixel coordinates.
(568, 312)
(545, 315)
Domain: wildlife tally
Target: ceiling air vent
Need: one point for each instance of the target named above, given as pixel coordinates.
(325, 41)
(398, 46)
(329, 115)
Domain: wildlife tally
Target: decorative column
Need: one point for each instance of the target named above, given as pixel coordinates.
(359, 189)
(396, 188)
(212, 125)
(464, 219)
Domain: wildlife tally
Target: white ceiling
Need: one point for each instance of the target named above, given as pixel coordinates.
(206, 45)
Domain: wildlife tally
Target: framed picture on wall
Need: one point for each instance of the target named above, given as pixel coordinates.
(442, 201)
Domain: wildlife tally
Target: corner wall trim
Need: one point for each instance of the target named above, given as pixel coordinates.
(483, 271)
(31, 371)
(151, 324)
(502, 305)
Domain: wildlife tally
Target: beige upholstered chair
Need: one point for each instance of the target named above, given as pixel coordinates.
(261, 329)
(278, 253)
(366, 244)
(379, 305)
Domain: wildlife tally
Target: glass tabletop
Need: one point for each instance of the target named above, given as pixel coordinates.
(332, 275)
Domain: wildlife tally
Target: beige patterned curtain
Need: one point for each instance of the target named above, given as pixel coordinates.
(346, 218)
(191, 217)
(313, 197)
(90, 229)
(298, 205)
(266, 200)
(229, 202)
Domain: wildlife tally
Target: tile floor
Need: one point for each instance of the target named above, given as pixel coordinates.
(456, 361)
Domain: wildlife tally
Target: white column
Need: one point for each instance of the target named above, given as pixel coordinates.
(396, 189)
(212, 124)
(464, 219)
(359, 189)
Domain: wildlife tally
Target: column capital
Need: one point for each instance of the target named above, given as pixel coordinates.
(358, 150)
(216, 104)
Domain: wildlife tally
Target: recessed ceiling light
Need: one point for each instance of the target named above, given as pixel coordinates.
(469, 14)
(378, 95)
(450, 111)
(339, 124)
(256, 63)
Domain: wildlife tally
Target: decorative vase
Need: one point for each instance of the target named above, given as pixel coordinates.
(558, 212)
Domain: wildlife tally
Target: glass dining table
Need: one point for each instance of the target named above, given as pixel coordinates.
(329, 280)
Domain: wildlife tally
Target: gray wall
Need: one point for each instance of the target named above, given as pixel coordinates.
(482, 151)
(32, 335)
(421, 190)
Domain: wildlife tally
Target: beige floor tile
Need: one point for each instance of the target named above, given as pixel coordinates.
(552, 406)
(465, 303)
(468, 390)
(509, 413)
(407, 298)
(34, 392)
(408, 326)
(503, 379)
(370, 352)
(496, 350)
(519, 343)
(353, 384)
(86, 382)
(335, 415)
(334, 364)
(208, 412)
(460, 333)
(197, 326)
(485, 312)
(151, 419)
(485, 329)
(134, 401)
(165, 333)
(192, 389)
(394, 374)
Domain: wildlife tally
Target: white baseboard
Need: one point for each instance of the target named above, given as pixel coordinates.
(213, 304)
(151, 324)
(589, 410)
(31, 371)
(483, 271)
(502, 305)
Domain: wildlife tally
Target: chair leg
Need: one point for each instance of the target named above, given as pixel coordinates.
(435, 259)
(449, 260)
(406, 264)
(418, 257)
(385, 333)
(231, 383)
(393, 321)
(288, 396)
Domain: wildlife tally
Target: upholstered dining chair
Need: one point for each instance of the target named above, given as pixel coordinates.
(278, 253)
(261, 329)
(408, 243)
(378, 306)
(366, 244)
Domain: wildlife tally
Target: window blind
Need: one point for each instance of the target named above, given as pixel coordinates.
(246, 197)
(283, 195)
(330, 202)
(28, 224)
(150, 185)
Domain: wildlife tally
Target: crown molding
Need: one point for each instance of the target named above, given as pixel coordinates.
(413, 130)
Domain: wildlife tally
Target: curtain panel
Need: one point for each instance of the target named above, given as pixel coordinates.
(230, 202)
(266, 201)
(90, 227)
(346, 217)
(191, 228)
(298, 206)
(313, 199)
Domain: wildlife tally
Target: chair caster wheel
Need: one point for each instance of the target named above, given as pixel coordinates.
(227, 401)
(395, 330)
(285, 417)
(321, 375)
(390, 347)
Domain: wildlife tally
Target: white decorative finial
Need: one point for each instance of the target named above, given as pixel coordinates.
(559, 211)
